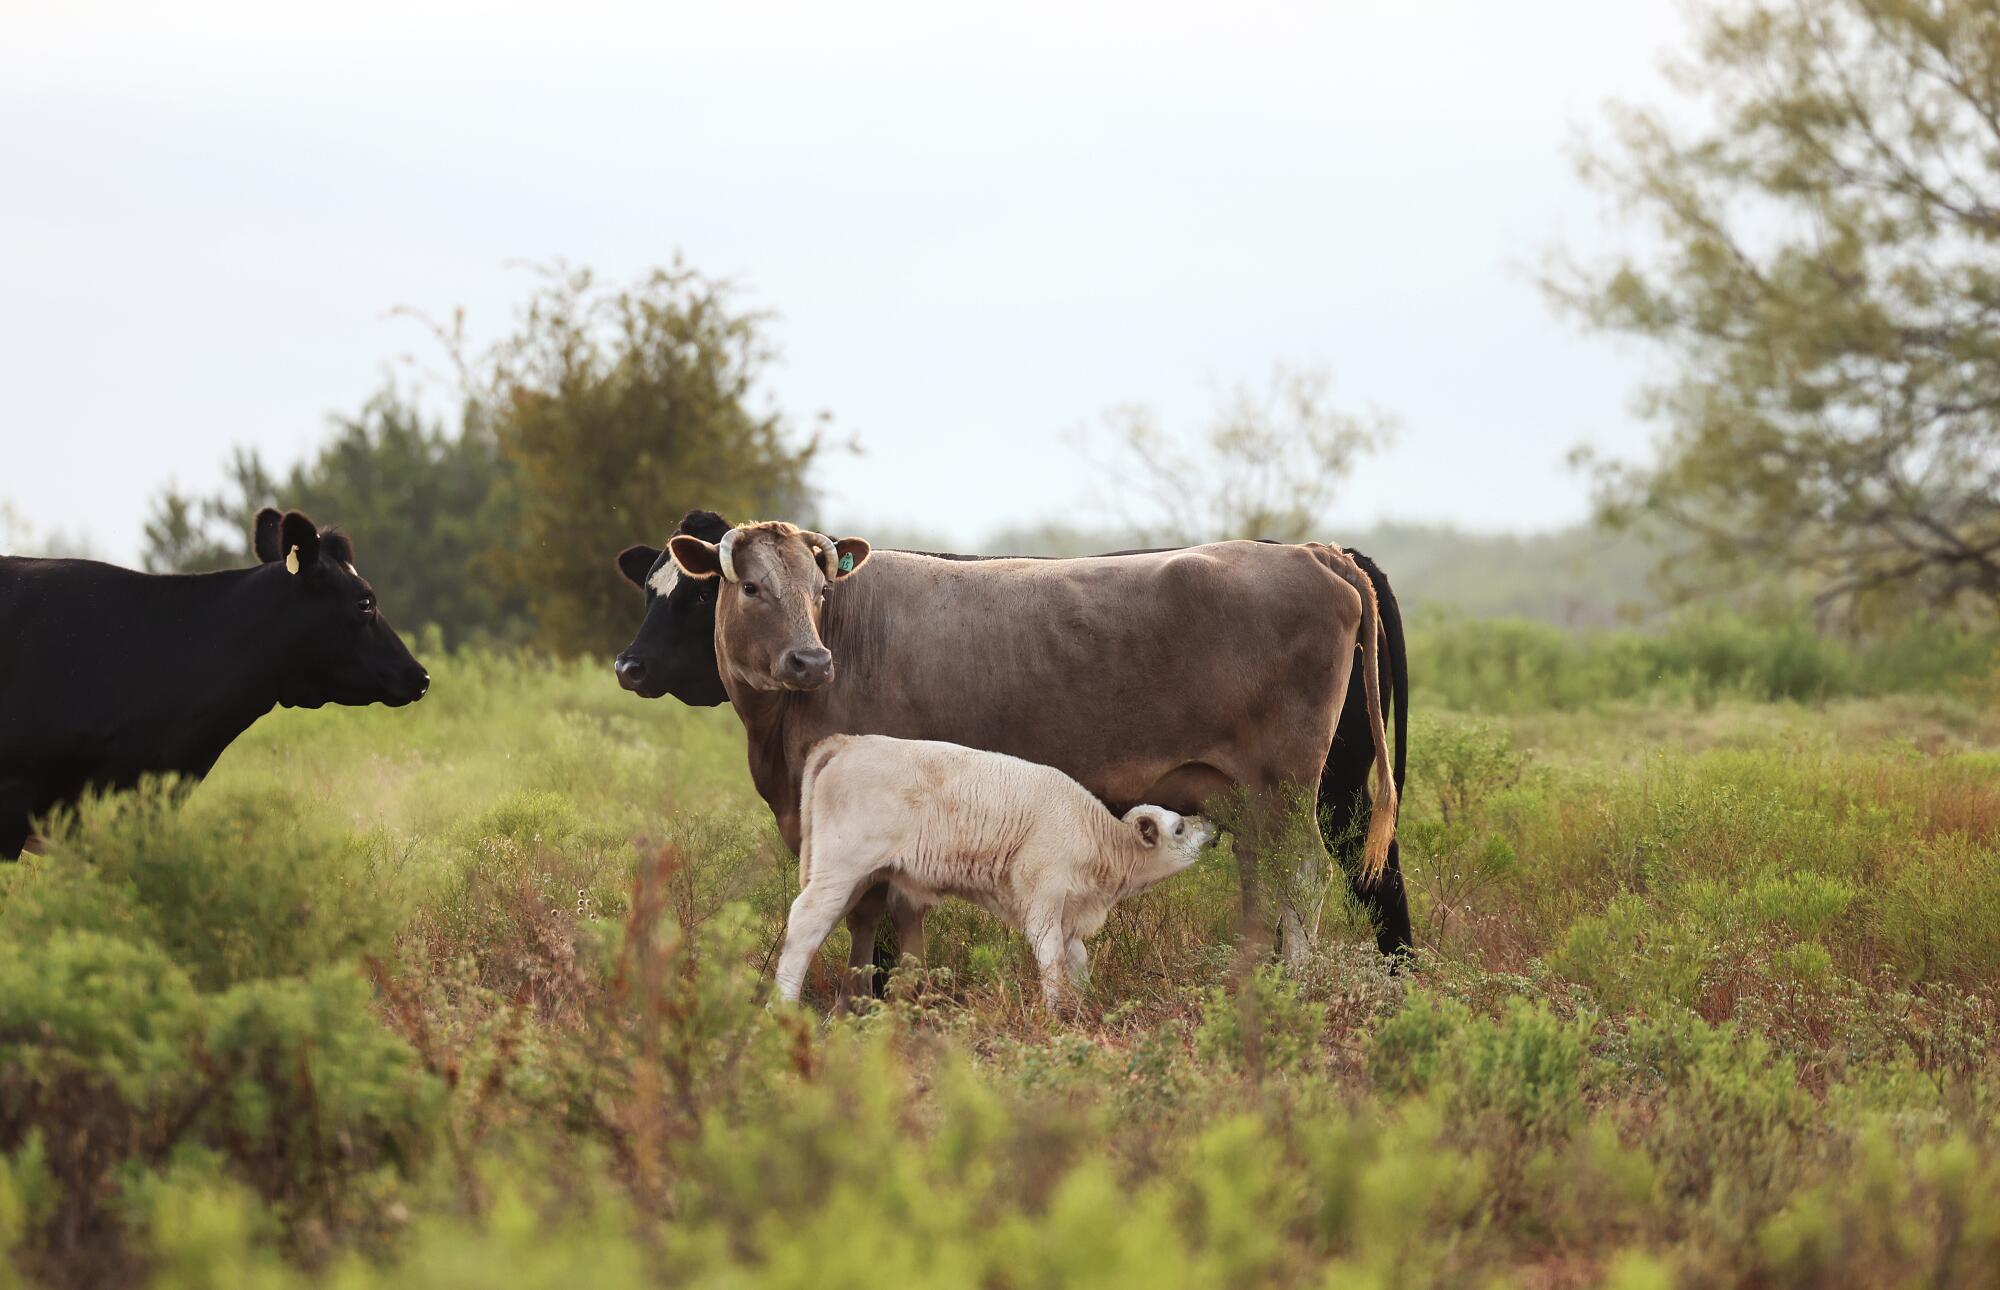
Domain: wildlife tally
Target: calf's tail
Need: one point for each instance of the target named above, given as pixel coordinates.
(1382, 815)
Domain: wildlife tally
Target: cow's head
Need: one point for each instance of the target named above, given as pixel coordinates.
(771, 580)
(674, 652)
(334, 646)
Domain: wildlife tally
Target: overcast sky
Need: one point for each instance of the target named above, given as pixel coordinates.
(980, 226)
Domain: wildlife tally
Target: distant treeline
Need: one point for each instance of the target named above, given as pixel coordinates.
(605, 411)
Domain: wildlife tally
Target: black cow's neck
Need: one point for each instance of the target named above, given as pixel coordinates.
(220, 665)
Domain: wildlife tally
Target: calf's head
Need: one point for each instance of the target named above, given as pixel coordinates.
(333, 643)
(772, 580)
(1167, 843)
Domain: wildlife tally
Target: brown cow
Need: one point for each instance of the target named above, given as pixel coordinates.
(1127, 673)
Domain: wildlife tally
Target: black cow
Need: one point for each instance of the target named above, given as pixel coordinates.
(108, 675)
(674, 653)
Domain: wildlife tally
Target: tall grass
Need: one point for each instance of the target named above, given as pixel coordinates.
(1516, 665)
(474, 993)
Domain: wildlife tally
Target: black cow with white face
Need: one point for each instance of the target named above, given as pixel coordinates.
(674, 654)
(108, 675)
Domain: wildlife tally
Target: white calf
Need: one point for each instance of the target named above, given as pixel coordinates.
(1025, 842)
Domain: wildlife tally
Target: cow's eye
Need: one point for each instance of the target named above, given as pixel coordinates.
(367, 606)
(750, 589)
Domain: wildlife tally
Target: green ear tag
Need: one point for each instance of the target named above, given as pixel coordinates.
(847, 564)
(292, 560)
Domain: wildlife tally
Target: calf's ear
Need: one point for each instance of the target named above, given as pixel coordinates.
(850, 554)
(697, 559)
(298, 539)
(1148, 828)
(264, 535)
(635, 562)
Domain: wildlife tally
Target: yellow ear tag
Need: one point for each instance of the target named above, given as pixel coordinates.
(292, 560)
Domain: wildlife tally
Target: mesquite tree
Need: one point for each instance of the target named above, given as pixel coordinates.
(1825, 283)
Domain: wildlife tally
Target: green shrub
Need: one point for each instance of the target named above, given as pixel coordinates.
(1703, 997)
(111, 1059)
(1526, 1066)
(235, 887)
(1631, 958)
(1263, 1024)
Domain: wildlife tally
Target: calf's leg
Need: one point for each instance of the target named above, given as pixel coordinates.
(1051, 946)
(1078, 962)
(814, 912)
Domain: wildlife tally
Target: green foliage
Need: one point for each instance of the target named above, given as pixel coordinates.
(113, 1060)
(1526, 1066)
(1823, 286)
(427, 509)
(237, 887)
(1262, 1025)
(1628, 959)
(1718, 1012)
(620, 410)
(1512, 665)
(597, 424)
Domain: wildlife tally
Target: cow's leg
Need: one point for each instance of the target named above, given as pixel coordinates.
(1078, 962)
(13, 834)
(1346, 802)
(815, 911)
(863, 922)
(908, 916)
(1344, 806)
(17, 800)
(1283, 855)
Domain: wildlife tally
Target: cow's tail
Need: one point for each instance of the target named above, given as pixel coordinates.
(1399, 658)
(816, 760)
(1382, 812)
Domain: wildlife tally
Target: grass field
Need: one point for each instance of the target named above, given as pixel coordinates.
(473, 994)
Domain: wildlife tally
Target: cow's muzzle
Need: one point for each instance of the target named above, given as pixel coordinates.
(635, 674)
(806, 669)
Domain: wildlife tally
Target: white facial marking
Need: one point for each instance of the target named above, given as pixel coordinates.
(292, 561)
(727, 551)
(351, 569)
(663, 581)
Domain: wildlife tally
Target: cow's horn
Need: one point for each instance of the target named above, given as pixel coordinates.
(829, 554)
(727, 549)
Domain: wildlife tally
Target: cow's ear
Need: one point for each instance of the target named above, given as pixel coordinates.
(850, 554)
(299, 540)
(1147, 826)
(336, 545)
(706, 525)
(264, 535)
(635, 562)
(697, 559)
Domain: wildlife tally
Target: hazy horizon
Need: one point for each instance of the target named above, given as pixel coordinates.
(977, 230)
